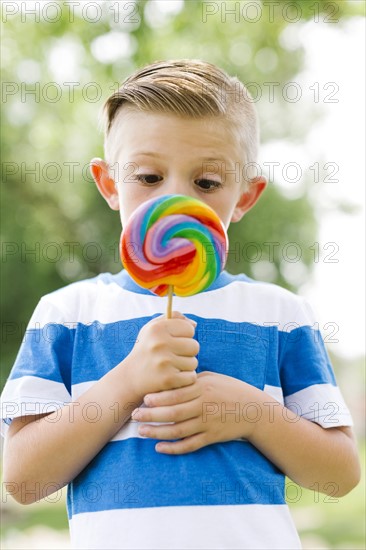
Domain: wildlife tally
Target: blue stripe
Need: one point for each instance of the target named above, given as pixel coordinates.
(130, 474)
(303, 361)
(46, 353)
(95, 349)
(244, 351)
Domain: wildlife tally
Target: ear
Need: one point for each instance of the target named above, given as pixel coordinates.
(248, 199)
(105, 184)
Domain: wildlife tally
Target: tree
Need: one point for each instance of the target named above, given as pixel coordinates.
(56, 75)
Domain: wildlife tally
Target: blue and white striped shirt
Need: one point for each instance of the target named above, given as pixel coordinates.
(226, 495)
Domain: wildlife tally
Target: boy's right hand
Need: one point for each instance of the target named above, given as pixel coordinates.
(163, 357)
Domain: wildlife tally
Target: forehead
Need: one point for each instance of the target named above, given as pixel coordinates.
(134, 132)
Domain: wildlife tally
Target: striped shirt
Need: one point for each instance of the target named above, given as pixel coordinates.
(225, 495)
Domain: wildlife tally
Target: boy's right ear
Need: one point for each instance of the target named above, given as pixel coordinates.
(105, 184)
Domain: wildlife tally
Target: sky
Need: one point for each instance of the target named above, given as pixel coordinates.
(334, 71)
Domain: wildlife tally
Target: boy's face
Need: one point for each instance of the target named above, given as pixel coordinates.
(160, 154)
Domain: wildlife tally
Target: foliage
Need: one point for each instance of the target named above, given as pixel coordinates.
(56, 229)
(54, 132)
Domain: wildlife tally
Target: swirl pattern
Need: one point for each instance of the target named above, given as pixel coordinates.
(174, 240)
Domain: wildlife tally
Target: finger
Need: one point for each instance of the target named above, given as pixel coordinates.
(184, 446)
(171, 431)
(173, 413)
(176, 320)
(182, 379)
(173, 397)
(185, 363)
(178, 315)
(175, 315)
(186, 347)
(180, 327)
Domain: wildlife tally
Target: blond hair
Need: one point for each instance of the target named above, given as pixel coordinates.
(188, 88)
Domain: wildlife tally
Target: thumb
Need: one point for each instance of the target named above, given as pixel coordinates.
(178, 315)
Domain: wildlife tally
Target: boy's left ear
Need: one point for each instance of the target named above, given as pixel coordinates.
(104, 182)
(248, 199)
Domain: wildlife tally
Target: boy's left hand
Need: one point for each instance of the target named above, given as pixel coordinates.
(213, 409)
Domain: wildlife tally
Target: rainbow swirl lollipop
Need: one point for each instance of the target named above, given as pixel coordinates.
(174, 241)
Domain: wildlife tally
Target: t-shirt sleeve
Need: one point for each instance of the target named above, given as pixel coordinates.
(40, 379)
(307, 378)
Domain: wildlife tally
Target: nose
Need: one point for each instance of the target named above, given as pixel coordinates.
(177, 185)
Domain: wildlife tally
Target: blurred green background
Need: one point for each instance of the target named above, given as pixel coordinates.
(59, 64)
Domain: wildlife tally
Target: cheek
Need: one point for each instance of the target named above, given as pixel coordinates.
(224, 208)
(128, 200)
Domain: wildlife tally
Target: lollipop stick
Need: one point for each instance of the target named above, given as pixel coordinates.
(170, 302)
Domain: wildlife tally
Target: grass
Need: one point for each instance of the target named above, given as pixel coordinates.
(339, 523)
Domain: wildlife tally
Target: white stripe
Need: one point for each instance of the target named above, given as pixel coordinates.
(275, 392)
(261, 304)
(320, 403)
(23, 396)
(78, 389)
(130, 427)
(239, 527)
(127, 431)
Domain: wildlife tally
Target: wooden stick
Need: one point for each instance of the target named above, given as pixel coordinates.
(170, 302)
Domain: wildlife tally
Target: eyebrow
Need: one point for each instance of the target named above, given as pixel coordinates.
(158, 155)
(147, 154)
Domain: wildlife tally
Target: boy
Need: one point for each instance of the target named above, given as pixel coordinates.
(234, 397)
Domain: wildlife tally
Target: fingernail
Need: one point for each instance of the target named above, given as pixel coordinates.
(135, 414)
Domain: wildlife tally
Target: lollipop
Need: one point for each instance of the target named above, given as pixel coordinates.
(174, 243)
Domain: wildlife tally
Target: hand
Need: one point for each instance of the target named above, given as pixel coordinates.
(164, 355)
(215, 408)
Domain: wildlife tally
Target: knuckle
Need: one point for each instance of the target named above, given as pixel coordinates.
(167, 381)
(196, 347)
(165, 361)
(187, 447)
(155, 347)
(154, 330)
(149, 400)
(185, 381)
(192, 364)
(193, 377)
(177, 315)
(174, 415)
(178, 432)
(145, 416)
(175, 395)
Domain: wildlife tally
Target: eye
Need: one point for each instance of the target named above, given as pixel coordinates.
(149, 179)
(208, 185)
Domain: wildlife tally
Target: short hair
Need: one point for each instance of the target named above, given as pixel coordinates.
(189, 88)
